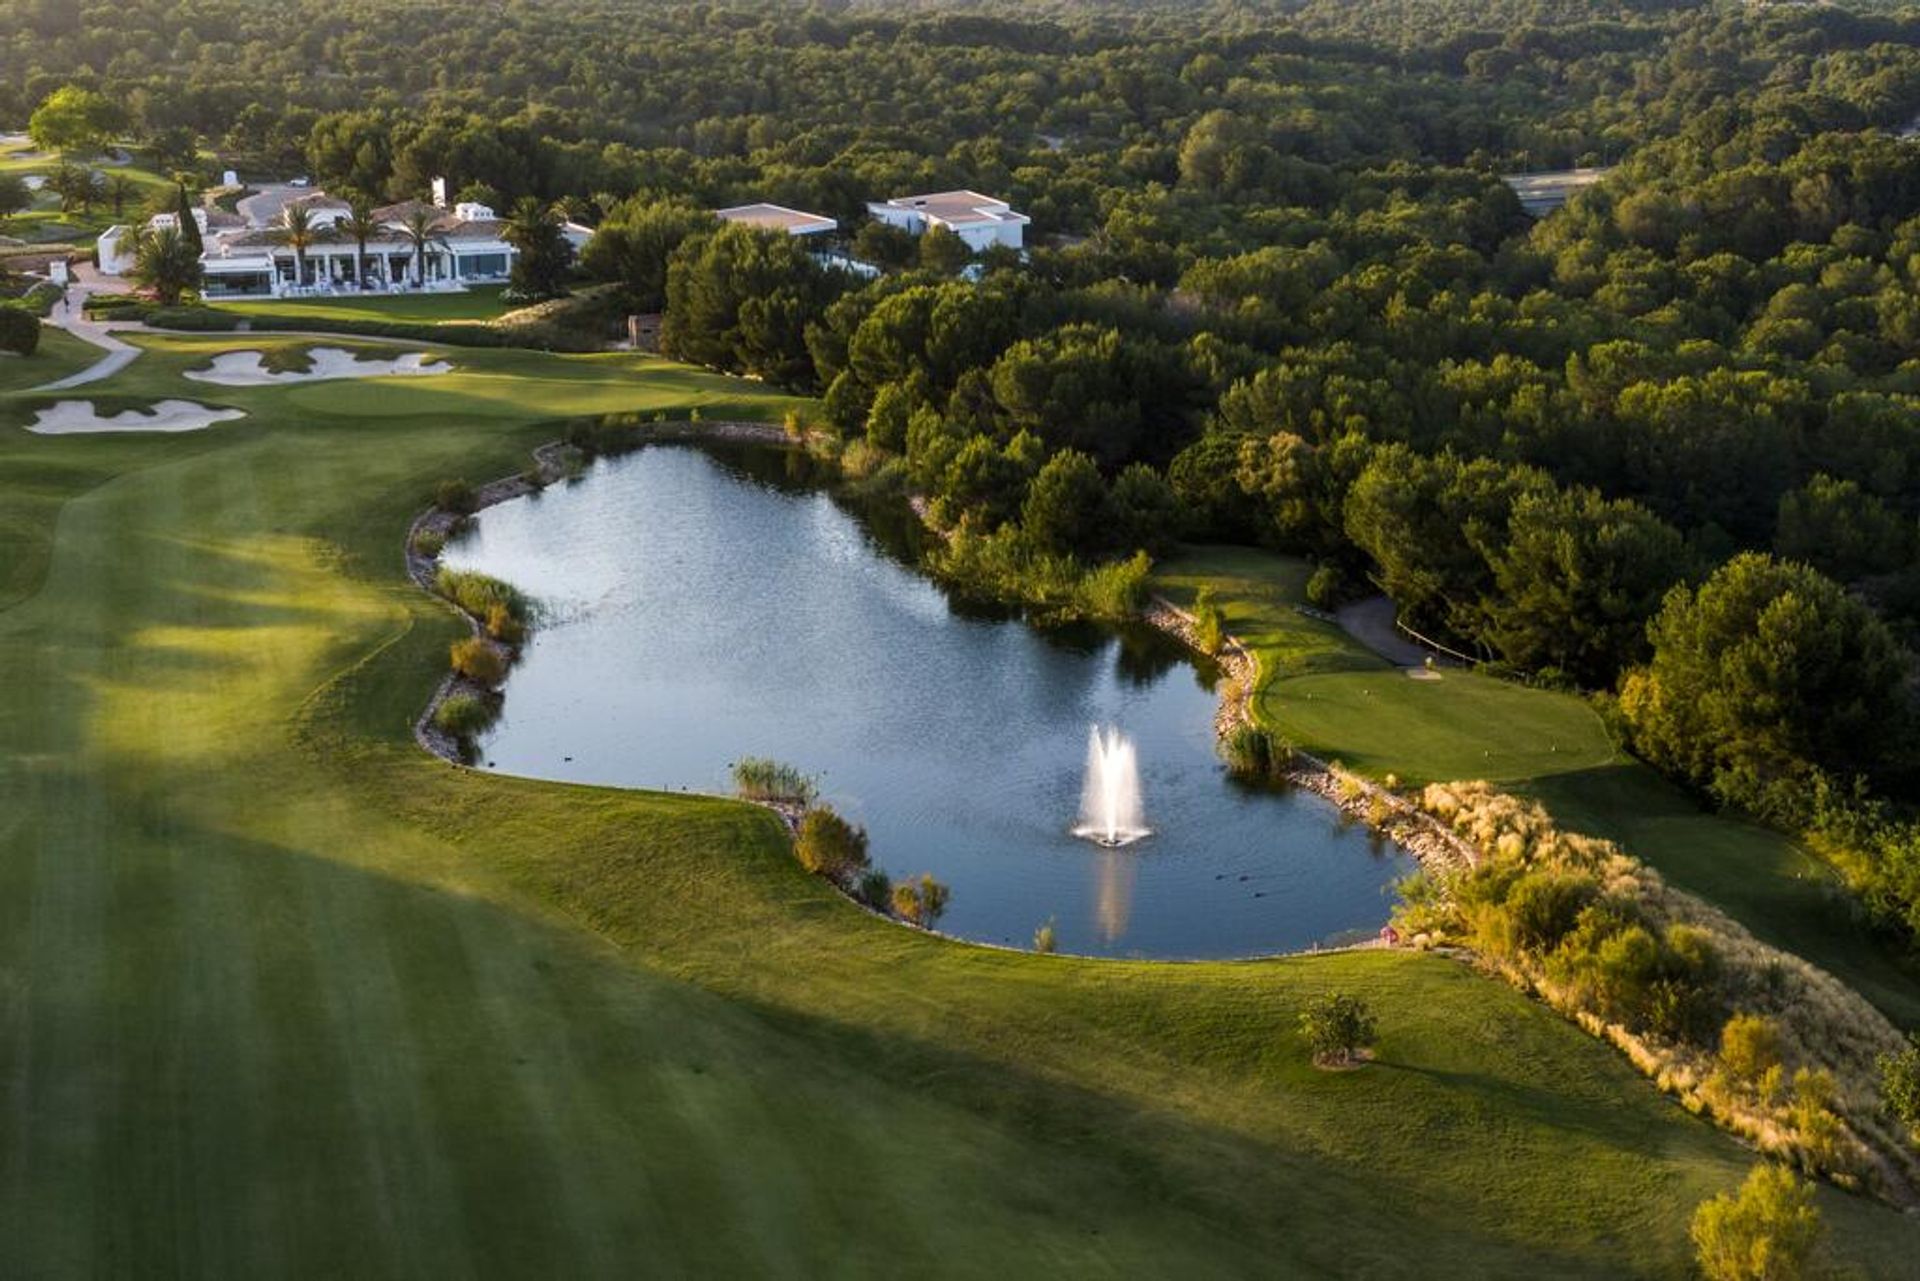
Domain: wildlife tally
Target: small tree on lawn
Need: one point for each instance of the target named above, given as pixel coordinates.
(1337, 1028)
(920, 900)
(1767, 1232)
(829, 846)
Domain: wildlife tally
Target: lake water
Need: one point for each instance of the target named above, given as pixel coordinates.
(700, 605)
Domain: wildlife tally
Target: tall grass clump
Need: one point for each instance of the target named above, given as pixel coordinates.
(500, 607)
(756, 778)
(1256, 754)
(463, 715)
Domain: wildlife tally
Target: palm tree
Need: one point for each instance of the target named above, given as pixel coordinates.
(297, 233)
(121, 189)
(359, 224)
(420, 233)
(166, 263)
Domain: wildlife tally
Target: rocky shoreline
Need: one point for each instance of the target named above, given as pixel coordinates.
(1437, 849)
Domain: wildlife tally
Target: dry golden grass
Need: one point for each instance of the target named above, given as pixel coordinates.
(1825, 1026)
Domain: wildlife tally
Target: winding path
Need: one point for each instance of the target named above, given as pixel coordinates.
(1370, 622)
(70, 314)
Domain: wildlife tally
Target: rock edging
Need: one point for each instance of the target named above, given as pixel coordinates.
(1437, 849)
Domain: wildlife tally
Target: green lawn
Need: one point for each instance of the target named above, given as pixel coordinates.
(59, 354)
(481, 303)
(282, 995)
(1335, 699)
(46, 222)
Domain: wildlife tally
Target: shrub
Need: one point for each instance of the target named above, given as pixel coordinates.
(874, 888)
(19, 331)
(1749, 1049)
(829, 846)
(479, 660)
(1337, 1027)
(1766, 1232)
(196, 320)
(1256, 754)
(1325, 587)
(454, 496)
(429, 542)
(1209, 625)
(1900, 1082)
(462, 715)
(758, 779)
(1116, 589)
(1544, 906)
(1045, 940)
(921, 900)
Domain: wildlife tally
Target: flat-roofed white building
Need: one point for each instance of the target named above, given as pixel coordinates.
(767, 217)
(247, 254)
(981, 221)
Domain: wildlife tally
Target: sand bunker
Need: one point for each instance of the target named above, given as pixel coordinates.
(71, 417)
(249, 368)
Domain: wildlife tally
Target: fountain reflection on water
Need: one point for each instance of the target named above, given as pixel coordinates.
(1112, 812)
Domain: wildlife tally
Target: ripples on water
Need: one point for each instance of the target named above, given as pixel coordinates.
(702, 606)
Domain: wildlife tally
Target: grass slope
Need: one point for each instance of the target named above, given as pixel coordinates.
(58, 355)
(1335, 699)
(281, 995)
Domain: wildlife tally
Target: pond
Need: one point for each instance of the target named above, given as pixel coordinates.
(700, 605)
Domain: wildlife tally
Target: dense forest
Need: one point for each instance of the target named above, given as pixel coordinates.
(1662, 445)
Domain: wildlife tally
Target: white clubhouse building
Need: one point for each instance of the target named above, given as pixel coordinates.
(247, 255)
(981, 221)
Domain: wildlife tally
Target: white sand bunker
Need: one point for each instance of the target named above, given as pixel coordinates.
(249, 368)
(71, 417)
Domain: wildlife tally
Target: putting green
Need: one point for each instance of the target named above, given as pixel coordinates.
(282, 995)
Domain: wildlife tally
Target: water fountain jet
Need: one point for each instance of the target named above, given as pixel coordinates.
(1111, 810)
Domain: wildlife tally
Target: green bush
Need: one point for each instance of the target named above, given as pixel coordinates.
(1256, 754)
(1749, 1050)
(190, 319)
(1900, 1082)
(454, 496)
(478, 660)
(1116, 589)
(429, 542)
(758, 779)
(1325, 587)
(874, 888)
(1337, 1027)
(19, 331)
(827, 845)
(1767, 1232)
(463, 715)
(1209, 624)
